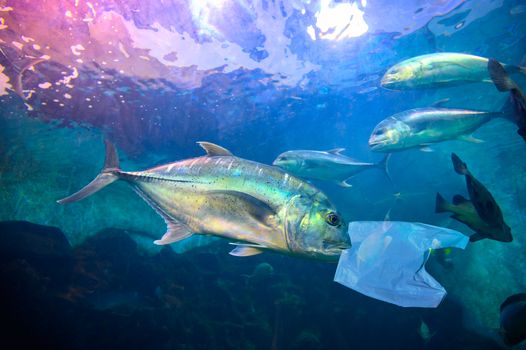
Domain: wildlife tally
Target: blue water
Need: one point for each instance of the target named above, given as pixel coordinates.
(258, 78)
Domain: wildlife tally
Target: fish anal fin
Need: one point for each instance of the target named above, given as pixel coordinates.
(476, 237)
(336, 151)
(469, 138)
(175, 233)
(213, 150)
(175, 230)
(245, 251)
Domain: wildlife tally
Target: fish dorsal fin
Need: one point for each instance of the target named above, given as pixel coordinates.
(175, 230)
(517, 298)
(213, 150)
(458, 199)
(245, 251)
(337, 151)
(440, 103)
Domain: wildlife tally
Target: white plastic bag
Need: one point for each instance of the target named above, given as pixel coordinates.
(387, 261)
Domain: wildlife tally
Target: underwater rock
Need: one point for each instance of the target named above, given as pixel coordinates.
(44, 248)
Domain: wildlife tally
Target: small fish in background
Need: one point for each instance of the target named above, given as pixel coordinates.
(481, 212)
(442, 69)
(503, 82)
(326, 165)
(420, 127)
(425, 332)
(513, 319)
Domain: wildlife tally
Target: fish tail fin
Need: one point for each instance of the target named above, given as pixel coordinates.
(383, 165)
(441, 205)
(109, 174)
(507, 111)
(459, 166)
(499, 76)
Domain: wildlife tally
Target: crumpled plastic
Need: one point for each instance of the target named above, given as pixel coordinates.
(387, 261)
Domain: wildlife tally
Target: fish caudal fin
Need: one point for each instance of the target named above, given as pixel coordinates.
(500, 77)
(108, 175)
(459, 166)
(441, 205)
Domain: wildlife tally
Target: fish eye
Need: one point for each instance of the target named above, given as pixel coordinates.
(332, 219)
(283, 158)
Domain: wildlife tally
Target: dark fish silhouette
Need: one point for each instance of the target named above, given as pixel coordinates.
(481, 212)
(513, 319)
(503, 82)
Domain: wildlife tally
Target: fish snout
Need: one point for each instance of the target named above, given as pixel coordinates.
(376, 142)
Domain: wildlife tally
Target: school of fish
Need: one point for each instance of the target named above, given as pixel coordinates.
(261, 207)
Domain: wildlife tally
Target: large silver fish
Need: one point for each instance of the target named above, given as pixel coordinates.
(328, 166)
(440, 69)
(258, 206)
(420, 127)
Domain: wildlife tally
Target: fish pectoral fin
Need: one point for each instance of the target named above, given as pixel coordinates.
(345, 183)
(245, 251)
(243, 244)
(336, 151)
(253, 206)
(476, 237)
(213, 149)
(469, 138)
(175, 233)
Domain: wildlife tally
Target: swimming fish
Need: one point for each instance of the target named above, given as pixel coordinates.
(424, 332)
(419, 127)
(328, 166)
(441, 69)
(481, 212)
(258, 206)
(513, 319)
(503, 82)
(464, 211)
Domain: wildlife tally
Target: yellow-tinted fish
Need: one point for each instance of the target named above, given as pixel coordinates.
(441, 69)
(259, 206)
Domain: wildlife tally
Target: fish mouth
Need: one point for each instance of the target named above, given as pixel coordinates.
(375, 144)
(387, 82)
